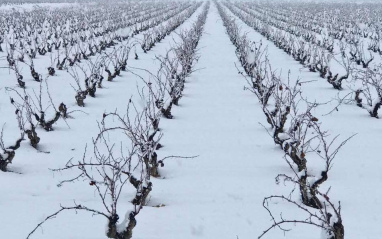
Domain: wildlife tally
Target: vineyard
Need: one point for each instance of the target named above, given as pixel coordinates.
(190, 119)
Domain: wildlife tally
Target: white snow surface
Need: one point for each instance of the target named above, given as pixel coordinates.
(31, 6)
(218, 194)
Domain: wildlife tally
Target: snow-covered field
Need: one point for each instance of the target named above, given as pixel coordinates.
(181, 119)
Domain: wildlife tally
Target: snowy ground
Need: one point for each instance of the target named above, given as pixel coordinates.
(31, 6)
(218, 194)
